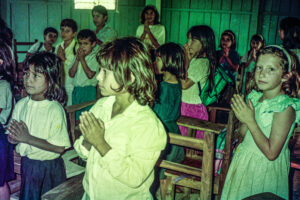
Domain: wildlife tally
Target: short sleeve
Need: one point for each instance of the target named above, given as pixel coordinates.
(34, 47)
(58, 133)
(161, 35)
(199, 70)
(139, 31)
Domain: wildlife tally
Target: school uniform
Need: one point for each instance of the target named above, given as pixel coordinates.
(41, 170)
(106, 34)
(70, 53)
(38, 47)
(85, 88)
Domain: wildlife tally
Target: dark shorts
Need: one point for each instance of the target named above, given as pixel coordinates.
(38, 177)
(6, 158)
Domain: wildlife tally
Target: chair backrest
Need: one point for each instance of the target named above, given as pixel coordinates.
(21, 50)
(207, 145)
(71, 110)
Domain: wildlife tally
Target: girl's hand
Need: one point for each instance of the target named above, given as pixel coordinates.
(18, 132)
(226, 52)
(187, 52)
(244, 112)
(11, 140)
(146, 27)
(92, 129)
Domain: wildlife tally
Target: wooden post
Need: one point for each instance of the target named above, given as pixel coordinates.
(207, 166)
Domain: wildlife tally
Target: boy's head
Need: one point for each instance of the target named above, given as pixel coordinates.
(86, 40)
(68, 29)
(99, 15)
(50, 35)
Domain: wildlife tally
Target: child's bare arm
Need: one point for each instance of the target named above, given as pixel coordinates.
(74, 68)
(282, 122)
(89, 73)
(19, 133)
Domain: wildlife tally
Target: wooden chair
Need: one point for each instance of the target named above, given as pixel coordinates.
(20, 50)
(203, 179)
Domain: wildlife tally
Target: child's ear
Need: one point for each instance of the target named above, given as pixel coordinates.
(1, 61)
(105, 18)
(74, 34)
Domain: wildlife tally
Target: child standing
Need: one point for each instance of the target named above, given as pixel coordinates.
(200, 58)
(66, 51)
(104, 33)
(170, 63)
(85, 69)
(229, 60)
(50, 37)
(227, 57)
(121, 136)
(248, 60)
(151, 31)
(262, 161)
(39, 127)
(6, 106)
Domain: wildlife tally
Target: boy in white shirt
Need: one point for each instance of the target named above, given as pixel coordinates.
(66, 51)
(50, 37)
(84, 69)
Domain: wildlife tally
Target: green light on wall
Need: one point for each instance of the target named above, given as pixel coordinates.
(89, 4)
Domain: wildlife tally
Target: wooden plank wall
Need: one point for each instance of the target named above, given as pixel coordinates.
(271, 12)
(238, 15)
(28, 18)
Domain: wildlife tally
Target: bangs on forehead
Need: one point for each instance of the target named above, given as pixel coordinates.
(37, 68)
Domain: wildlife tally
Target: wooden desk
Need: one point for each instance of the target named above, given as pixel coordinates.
(71, 189)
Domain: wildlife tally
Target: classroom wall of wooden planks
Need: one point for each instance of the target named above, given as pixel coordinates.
(28, 18)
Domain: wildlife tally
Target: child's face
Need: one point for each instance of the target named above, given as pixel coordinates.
(256, 44)
(268, 73)
(50, 38)
(159, 64)
(107, 82)
(35, 84)
(150, 16)
(194, 45)
(86, 45)
(226, 42)
(281, 34)
(67, 33)
(99, 19)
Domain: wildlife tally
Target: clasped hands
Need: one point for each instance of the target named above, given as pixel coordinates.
(92, 129)
(18, 132)
(242, 110)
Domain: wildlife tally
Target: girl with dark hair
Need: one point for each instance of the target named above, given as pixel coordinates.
(150, 31)
(6, 106)
(200, 55)
(261, 162)
(39, 126)
(289, 33)
(227, 57)
(170, 63)
(248, 60)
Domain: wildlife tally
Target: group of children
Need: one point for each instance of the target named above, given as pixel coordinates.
(124, 133)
